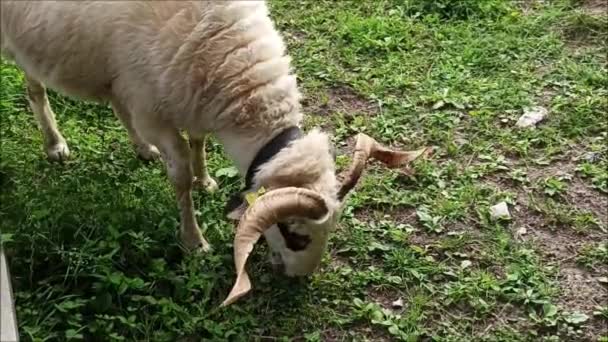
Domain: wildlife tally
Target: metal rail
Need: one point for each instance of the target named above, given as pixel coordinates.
(8, 319)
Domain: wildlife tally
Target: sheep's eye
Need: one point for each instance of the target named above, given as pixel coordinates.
(294, 241)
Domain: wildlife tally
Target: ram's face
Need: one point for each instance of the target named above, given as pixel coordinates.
(297, 246)
(296, 221)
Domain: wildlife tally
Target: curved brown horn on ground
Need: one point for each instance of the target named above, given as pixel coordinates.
(368, 147)
(270, 208)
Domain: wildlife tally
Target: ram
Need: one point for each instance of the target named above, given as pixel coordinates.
(169, 67)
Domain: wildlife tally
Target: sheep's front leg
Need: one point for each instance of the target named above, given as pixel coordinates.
(199, 165)
(144, 150)
(176, 155)
(54, 143)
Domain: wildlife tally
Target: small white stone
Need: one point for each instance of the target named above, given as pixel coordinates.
(522, 231)
(465, 264)
(500, 211)
(532, 116)
(398, 304)
(592, 157)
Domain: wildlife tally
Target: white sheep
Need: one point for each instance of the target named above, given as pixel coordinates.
(204, 68)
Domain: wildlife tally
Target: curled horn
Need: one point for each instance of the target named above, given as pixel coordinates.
(270, 208)
(368, 147)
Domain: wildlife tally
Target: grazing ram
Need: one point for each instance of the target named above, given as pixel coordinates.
(204, 68)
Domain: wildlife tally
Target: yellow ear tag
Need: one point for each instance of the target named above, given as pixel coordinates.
(251, 197)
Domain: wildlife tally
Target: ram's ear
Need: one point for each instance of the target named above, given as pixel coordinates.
(236, 207)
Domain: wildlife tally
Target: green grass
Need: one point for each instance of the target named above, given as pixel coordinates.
(92, 242)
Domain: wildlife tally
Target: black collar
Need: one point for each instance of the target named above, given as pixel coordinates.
(269, 150)
(266, 153)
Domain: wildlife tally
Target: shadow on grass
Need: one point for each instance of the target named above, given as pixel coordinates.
(103, 233)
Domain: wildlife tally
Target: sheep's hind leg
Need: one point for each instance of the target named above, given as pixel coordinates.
(199, 165)
(144, 150)
(54, 143)
(176, 155)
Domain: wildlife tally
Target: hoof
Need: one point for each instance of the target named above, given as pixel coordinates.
(206, 183)
(58, 152)
(147, 152)
(194, 242)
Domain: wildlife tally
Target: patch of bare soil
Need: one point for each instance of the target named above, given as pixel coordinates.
(583, 33)
(337, 262)
(339, 99)
(504, 317)
(401, 215)
(588, 199)
(294, 38)
(385, 297)
(558, 246)
(579, 290)
(548, 93)
(579, 194)
(362, 332)
(346, 147)
(555, 169)
(595, 7)
(528, 7)
(335, 103)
